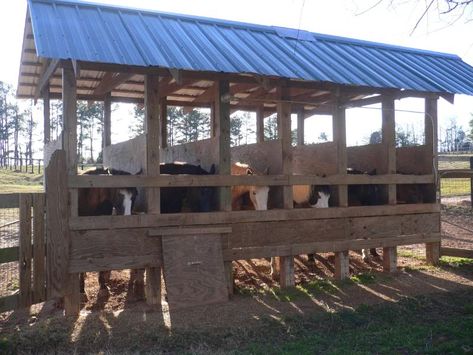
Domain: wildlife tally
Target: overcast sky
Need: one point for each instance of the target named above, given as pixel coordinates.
(384, 23)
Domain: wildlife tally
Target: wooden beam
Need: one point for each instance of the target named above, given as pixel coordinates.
(389, 142)
(46, 114)
(342, 270)
(153, 138)
(69, 93)
(48, 69)
(222, 117)
(107, 121)
(153, 143)
(340, 137)
(191, 219)
(69, 99)
(260, 124)
(300, 127)
(26, 252)
(390, 259)
(110, 81)
(163, 107)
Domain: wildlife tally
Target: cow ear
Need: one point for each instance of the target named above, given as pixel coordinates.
(266, 171)
(212, 169)
(140, 172)
(249, 172)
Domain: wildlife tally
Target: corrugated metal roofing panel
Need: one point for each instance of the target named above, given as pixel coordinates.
(102, 33)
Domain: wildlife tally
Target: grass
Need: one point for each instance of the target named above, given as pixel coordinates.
(454, 187)
(435, 324)
(13, 181)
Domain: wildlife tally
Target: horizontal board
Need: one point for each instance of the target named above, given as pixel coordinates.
(327, 230)
(87, 181)
(9, 200)
(8, 255)
(98, 250)
(213, 218)
(456, 174)
(326, 247)
(188, 231)
(460, 253)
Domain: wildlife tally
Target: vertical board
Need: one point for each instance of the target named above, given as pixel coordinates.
(260, 124)
(39, 276)
(107, 121)
(193, 270)
(25, 253)
(341, 265)
(340, 137)
(390, 259)
(57, 241)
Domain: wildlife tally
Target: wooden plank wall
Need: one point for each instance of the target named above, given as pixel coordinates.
(111, 249)
(367, 157)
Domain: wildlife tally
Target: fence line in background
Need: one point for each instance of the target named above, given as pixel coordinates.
(20, 163)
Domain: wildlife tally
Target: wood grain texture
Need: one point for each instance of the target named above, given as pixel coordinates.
(39, 248)
(286, 271)
(193, 271)
(99, 250)
(341, 265)
(432, 253)
(390, 259)
(192, 219)
(57, 243)
(25, 251)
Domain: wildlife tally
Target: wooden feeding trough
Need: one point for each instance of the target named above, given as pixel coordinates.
(196, 250)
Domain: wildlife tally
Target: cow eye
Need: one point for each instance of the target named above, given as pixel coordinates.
(254, 192)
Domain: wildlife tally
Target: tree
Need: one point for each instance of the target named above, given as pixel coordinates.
(322, 137)
(449, 11)
(137, 127)
(90, 121)
(271, 128)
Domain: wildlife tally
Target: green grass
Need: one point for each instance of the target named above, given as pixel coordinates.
(12, 181)
(454, 187)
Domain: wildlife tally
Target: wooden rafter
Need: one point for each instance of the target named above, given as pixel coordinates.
(47, 70)
(110, 81)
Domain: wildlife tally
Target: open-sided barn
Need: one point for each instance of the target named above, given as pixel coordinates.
(74, 50)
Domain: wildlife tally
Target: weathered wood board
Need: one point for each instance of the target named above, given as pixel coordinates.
(193, 270)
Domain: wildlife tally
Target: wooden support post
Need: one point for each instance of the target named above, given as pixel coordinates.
(69, 104)
(300, 127)
(390, 259)
(389, 141)
(39, 277)
(432, 250)
(340, 137)
(222, 112)
(25, 253)
(107, 121)
(153, 138)
(341, 265)
(57, 241)
(46, 114)
(164, 122)
(228, 265)
(260, 124)
(286, 263)
(432, 253)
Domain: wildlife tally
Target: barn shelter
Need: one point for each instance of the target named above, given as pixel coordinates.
(81, 51)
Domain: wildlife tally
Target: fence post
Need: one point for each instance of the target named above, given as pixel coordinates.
(25, 252)
(471, 183)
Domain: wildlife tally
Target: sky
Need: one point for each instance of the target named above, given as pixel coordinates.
(391, 22)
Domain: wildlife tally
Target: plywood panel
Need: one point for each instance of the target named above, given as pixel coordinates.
(97, 250)
(414, 160)
(367, 157)
(314, 159)
(193, 270)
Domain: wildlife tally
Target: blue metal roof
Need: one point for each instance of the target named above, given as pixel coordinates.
(108, 34)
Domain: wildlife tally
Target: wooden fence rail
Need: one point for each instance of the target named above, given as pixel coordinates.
(30, 254)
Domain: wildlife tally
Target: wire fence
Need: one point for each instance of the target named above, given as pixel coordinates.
(9, 238)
